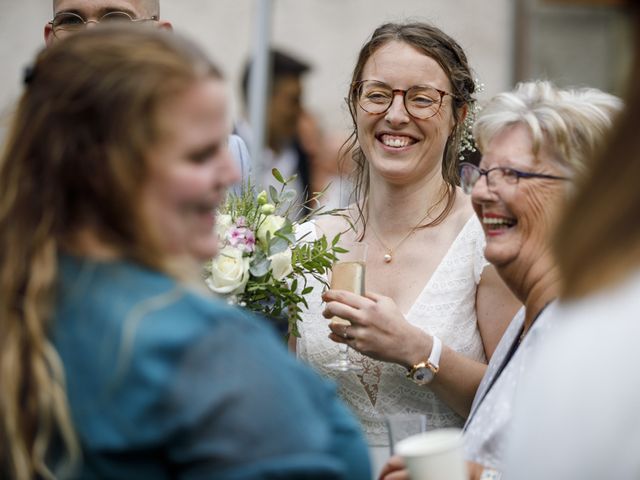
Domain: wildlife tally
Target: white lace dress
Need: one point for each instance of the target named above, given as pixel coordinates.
(445, 307)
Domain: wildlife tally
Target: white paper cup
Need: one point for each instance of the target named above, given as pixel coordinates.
(434, 455)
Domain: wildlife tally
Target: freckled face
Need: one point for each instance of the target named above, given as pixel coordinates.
(518, 219)
(190, 170)
(400, 148)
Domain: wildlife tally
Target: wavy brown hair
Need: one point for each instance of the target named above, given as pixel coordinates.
(434, 43)
(75, 158)
(598, 242)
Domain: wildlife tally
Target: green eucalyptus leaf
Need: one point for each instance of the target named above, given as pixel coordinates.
(290, 237)
(277, 245)
(260, 267)
(291, 178)
(288, 195)
(273, 194)
(277, 175)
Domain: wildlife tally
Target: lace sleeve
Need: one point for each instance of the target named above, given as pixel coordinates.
(479, 262)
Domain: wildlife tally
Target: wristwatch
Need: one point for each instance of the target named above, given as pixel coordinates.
(422, 373)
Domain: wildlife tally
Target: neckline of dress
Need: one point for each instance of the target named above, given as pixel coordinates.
(457, 238)
(427, 284)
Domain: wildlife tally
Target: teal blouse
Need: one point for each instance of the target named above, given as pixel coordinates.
(165, 382)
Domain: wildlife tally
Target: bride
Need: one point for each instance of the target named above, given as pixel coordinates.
(434, 310)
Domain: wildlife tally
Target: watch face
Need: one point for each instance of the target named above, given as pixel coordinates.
(423, 375)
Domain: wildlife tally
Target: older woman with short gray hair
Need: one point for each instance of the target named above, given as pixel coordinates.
(535, 141)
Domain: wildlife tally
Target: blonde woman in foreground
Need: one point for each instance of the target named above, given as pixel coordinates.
(115, 163)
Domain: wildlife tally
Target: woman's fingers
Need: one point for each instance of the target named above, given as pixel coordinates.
(394, 469)
(341, 310)
(341, 330)
(376, 297)
(399, 475)
(348, 298)
(338, 338)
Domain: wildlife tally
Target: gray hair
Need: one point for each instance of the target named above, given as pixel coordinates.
(572, 123)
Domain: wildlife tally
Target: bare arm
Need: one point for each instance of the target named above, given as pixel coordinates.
(380, 331)
(495, 306)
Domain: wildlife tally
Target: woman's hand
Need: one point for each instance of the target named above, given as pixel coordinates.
(378, 328)
(394, 469)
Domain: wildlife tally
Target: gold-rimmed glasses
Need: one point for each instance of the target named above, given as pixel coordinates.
(420, 101)
(65, 23)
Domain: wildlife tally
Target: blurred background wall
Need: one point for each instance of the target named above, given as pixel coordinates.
(506, 40)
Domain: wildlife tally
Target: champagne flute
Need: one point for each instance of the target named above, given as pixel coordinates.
(348, 274)
(403, 425)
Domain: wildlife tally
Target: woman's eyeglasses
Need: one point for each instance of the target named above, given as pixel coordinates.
(420, 101)
(496, 177)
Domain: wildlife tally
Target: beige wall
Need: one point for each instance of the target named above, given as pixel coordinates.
(326, 33)
(329, 33)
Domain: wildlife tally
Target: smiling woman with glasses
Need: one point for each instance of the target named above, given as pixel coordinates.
(423, 331)
(547, 137)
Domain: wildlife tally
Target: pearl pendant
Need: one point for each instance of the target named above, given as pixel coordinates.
(387, 258)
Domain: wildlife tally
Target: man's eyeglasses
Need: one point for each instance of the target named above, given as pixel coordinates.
(496, 177)
(69, 22)
(420, 101)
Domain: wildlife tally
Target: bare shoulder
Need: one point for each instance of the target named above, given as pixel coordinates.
(332, 225)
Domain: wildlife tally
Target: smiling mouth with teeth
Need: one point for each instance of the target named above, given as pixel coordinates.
(396, 141)
(498, 223)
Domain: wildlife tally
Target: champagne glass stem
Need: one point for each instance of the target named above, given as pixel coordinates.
(344, 353)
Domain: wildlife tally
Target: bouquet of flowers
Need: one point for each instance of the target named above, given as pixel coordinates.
(261, 265)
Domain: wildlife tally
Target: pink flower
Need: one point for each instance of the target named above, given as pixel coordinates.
(242, 238)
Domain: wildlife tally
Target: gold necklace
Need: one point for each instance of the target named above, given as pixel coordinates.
(388, 257)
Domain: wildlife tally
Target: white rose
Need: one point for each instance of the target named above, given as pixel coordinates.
(271, 224)
(281, 264)
(229, 271)
(223, 224)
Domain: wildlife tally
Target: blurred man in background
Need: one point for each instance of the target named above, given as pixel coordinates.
(284, 109)
(295, 141)
(72, 16)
